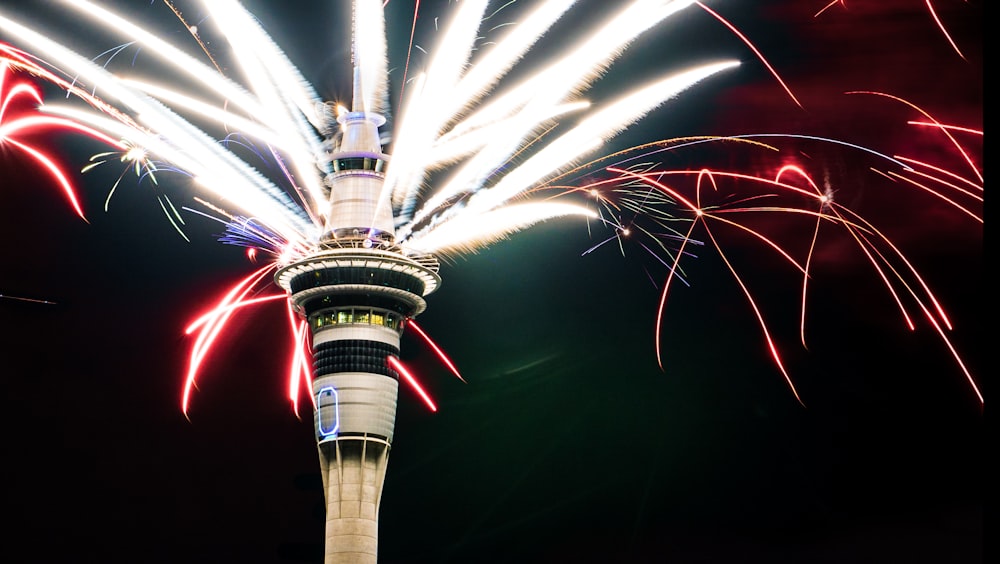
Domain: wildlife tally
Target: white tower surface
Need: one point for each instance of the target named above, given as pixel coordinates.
(356, 289)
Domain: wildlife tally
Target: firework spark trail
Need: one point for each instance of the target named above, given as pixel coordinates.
(12, 127)
(409, 379)
(930, 9)
(978, 132)
(369, 50)
(754, 49)
(444, 358)
(939, 195)
(215, 322)
(409, 49)
(174, 140)
(944, 130)
(24, 299)
(937, 20)
(950, 174)
(547, 88)
(824, 201)
(423, 115)
(299, 374)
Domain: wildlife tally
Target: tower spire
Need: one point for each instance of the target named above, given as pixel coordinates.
(358, 175)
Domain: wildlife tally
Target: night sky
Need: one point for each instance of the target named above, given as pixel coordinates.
(567, 442)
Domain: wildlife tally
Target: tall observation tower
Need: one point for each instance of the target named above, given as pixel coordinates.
(356, 289)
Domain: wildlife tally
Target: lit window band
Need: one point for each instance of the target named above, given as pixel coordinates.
(356, 315)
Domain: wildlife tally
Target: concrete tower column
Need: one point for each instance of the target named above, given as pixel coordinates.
(353, 474)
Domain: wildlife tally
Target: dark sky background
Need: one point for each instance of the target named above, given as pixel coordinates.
(567, 443)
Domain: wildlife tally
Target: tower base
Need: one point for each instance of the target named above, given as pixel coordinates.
(353, 469)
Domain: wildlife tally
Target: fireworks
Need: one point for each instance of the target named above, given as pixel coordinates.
(467, 170)
(454, 122)
(446, 121)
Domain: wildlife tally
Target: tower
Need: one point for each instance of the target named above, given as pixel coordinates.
(356, 290)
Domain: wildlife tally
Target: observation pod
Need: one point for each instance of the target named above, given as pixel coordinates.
(356, 289)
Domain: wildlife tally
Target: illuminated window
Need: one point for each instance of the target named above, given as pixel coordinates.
(358, 163)
(379, 317)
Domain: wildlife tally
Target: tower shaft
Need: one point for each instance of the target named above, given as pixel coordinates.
(353, 474)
